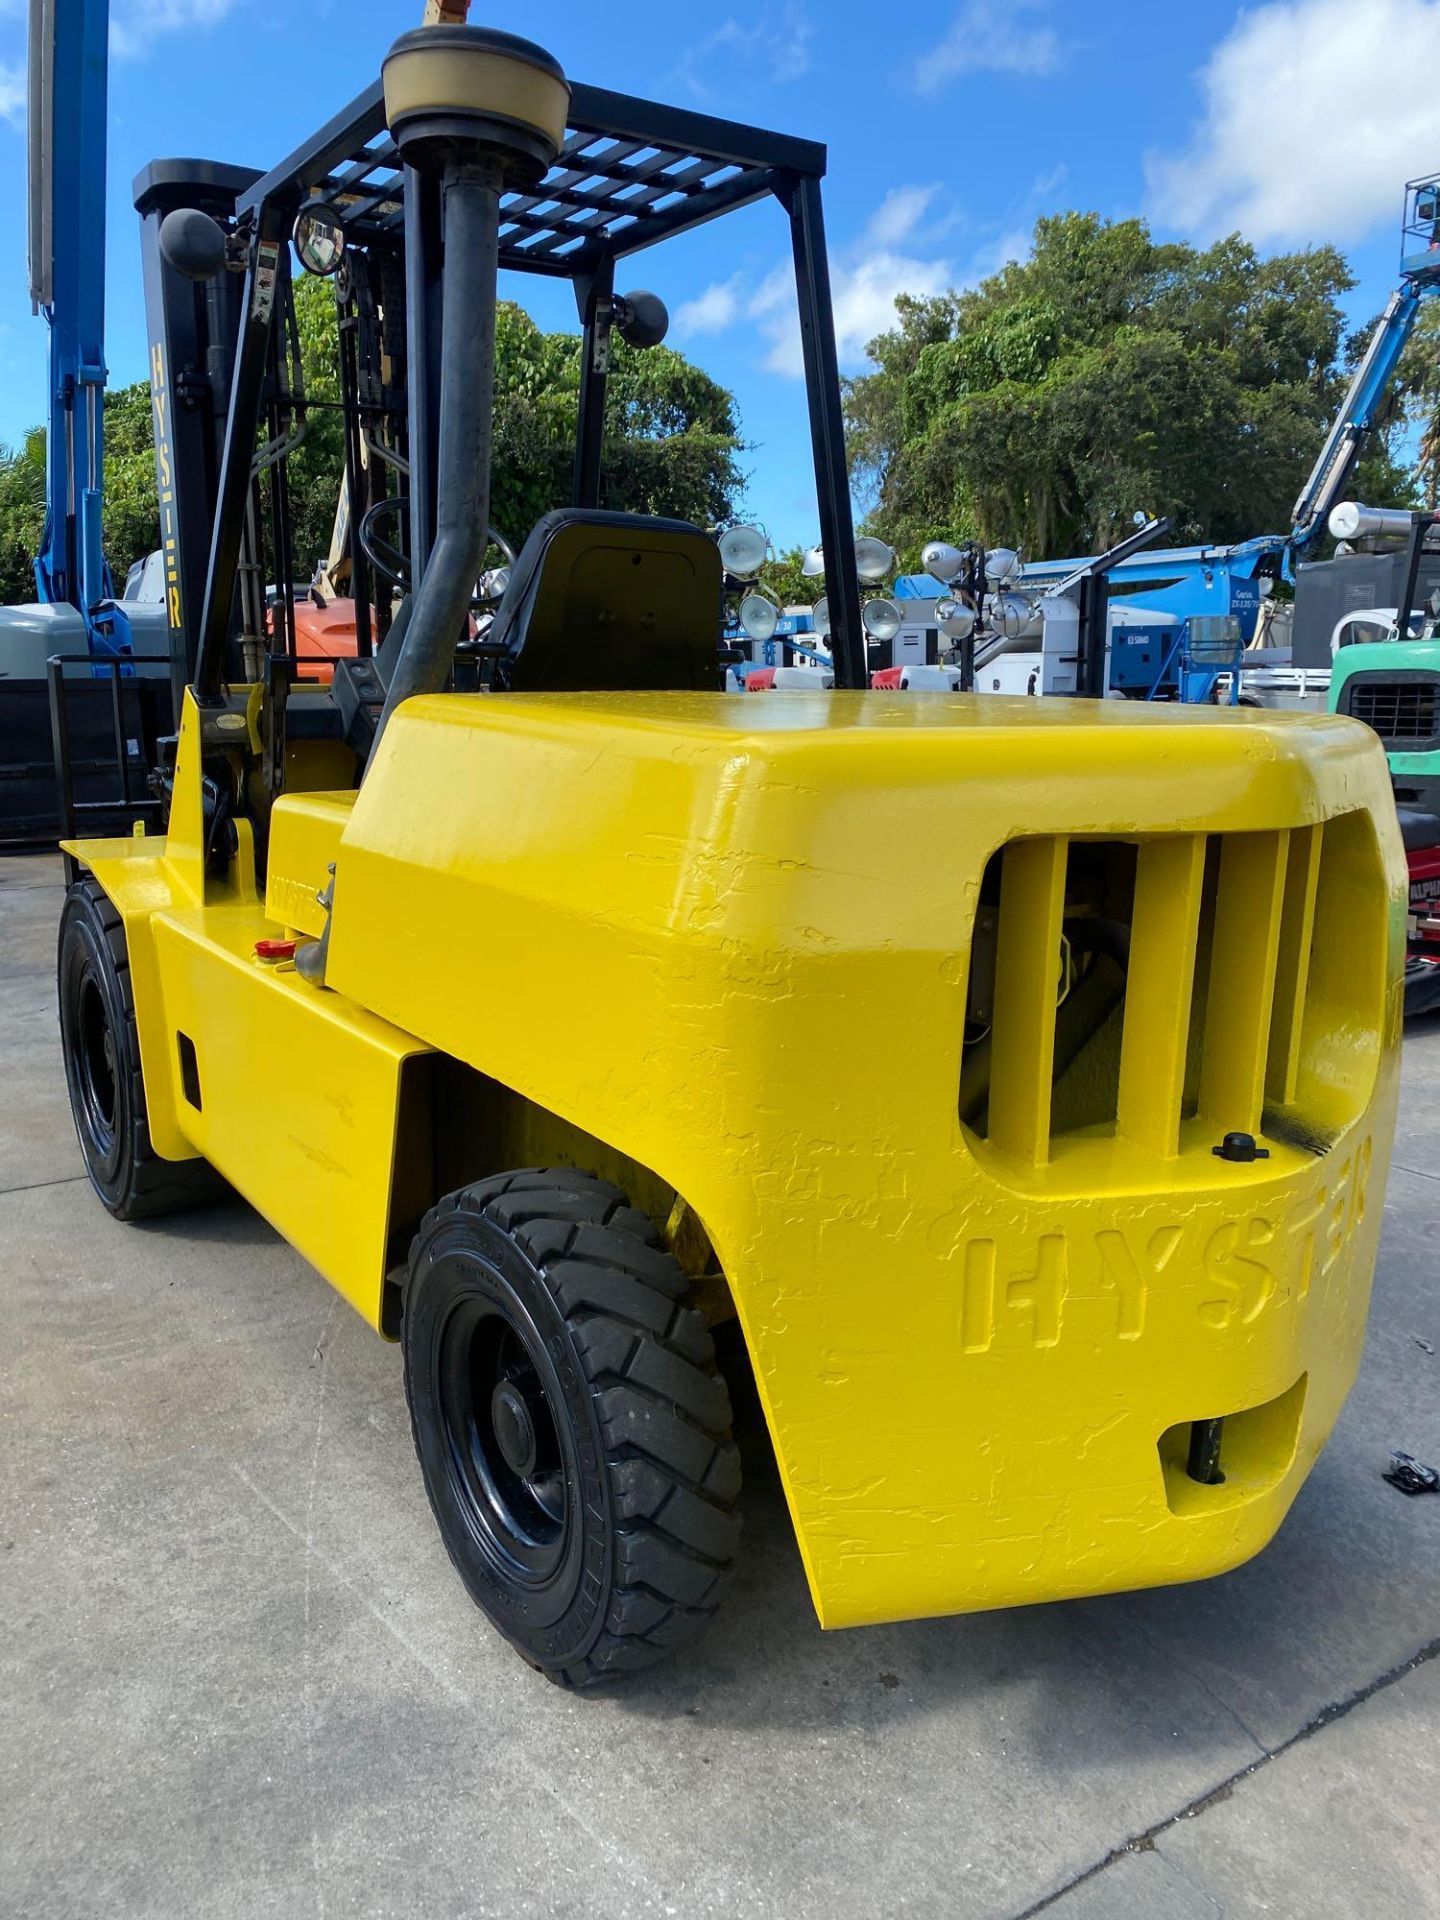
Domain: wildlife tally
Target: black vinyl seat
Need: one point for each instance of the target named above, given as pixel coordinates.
(1418, 829)
(601, 602)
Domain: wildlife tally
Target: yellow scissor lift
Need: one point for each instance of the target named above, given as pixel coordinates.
(1021, 1075)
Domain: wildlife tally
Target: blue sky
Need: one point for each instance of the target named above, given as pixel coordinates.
(951, 125)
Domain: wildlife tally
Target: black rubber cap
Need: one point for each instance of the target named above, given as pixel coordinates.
(1240, 1147)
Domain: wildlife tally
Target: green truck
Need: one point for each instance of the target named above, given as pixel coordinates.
(1394, 687)
(1385, 646)
(1386, 672)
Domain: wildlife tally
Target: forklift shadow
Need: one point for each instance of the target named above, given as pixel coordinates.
(1074, 1685)
(1035, 1675)
(228, 1221)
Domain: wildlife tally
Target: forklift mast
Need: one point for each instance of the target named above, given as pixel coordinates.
(192, 327)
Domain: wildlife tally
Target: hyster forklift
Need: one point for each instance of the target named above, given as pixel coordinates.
(1017, 1077)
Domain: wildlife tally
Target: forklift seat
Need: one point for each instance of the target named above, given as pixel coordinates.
(602, 602)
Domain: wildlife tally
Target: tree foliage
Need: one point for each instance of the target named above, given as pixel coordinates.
(132, 517)
(782, 575)
(1106, 375)
(22, 515)
(672, 446)
(1418, 397)
(132, 512)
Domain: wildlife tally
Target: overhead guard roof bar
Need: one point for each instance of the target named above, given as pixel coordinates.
(632, 172)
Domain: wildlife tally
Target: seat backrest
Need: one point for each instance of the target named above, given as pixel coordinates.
(611, 601)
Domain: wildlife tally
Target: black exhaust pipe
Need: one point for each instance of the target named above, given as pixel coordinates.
(471, 219)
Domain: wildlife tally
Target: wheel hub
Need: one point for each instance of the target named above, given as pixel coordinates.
(514, 1427)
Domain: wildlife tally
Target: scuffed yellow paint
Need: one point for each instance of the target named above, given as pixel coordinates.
(730, 938)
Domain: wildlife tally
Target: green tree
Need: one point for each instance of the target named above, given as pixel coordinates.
(22, 515)
(132, 512)
(672, 447)
(672, 444)
(1108, 374)
(132, 524)
(315, 468)
(1418, 404)
(782, 575)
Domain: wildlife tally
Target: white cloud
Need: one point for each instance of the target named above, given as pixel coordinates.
(136, 23)
(989, 36)
(1315, 114)
(791, 41)
(12, 94)
(717, 308)
(898, 251)
(898, 215)
(1051, 181)
(1014, 244)
(778, 41)
(865, 280)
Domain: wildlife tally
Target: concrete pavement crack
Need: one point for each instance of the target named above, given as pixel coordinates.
(1210, 1692)
(1419, 1172)
(34, 1186)
(1327, 1716)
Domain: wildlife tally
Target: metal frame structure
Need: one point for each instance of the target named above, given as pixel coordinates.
(631, 173)
(124, 692)
(192, 330)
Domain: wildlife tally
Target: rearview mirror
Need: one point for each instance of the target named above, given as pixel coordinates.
(319, 238)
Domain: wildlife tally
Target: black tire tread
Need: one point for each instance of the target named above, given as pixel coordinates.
(156, 1186)
(664, 1410)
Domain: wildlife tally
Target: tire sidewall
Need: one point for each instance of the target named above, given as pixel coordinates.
(85, 955)
(555, 1623)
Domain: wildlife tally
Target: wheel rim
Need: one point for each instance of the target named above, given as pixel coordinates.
(504, 1454)
(93, 1057)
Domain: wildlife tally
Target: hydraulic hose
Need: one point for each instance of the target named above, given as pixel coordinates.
(471, 199)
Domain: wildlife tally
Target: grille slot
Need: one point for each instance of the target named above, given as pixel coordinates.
(1170, 989)
(1400, 711)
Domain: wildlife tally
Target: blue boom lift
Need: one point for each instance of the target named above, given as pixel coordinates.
(110, 714)
(1419, 275)
(68, 91)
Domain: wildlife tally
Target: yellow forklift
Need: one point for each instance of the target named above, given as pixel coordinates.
(1019, 1075)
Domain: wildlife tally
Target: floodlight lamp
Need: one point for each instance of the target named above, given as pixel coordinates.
(743, 552)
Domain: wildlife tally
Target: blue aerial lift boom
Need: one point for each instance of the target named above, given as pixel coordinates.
(1375, 375)
(68, 96)
(75, 636)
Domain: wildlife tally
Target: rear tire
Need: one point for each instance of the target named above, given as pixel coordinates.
(101, 1044)
(572, 1430)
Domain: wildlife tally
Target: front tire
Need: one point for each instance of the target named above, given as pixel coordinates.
(572, 1431)
(101, 1044)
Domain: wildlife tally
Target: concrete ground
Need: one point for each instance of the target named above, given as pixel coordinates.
(240, 1678)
